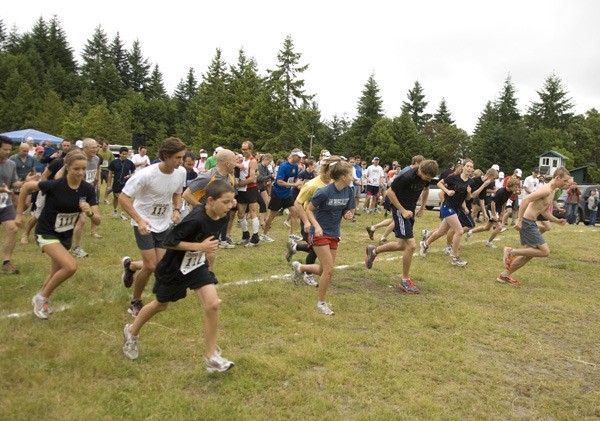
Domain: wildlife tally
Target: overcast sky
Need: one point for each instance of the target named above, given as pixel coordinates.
(460, 50)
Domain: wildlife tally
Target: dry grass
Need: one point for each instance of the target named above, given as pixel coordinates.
(465, 348)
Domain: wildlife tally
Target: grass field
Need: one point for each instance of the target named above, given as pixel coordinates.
(465, 348)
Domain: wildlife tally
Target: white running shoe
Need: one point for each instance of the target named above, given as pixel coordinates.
(324, 308)
(297, 274)
(491, 245)
(469, 234)
(266, 238)
(130, 345)
(291, 249)
(425, 235)
(79, 252)
(217, 364)
(457, 261)
(423, 249)
(295, 237)
(309, 280)
(40, 306)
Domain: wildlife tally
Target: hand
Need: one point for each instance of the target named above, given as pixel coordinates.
(518, 225)
(420, 212)
(407, 214)
(5, 189)
(176, 217)
(19, 221)
(561, 221)
(318, 231)
(348, 215)
(84, 206)
(209, 245)
(450, 192)
(306, 227)
(144, 227)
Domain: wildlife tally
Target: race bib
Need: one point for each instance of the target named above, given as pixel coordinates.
(90, 176)
(105, 164)
(4, 200)
(192, 260)
(291, 180)
(65, 221)
(159, 209)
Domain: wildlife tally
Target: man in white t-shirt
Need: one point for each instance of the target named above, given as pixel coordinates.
(152, 197)
(374, 178)
(531, 183)
(140, 159)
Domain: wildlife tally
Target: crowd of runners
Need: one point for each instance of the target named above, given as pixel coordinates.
(184, 206)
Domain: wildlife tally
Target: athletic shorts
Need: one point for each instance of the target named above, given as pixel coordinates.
(40, 202)
(324, 240)
(530, 234)
(446, 211)
(372, 190)
(277, 202)
(403, 228)
(176, 290)
(104, 176)
(151, 241)
(44, 240)
(466, 220)
(8, 213)
(509, 204)
(262, 207)
(357, 190)
(387, 205)
(249, 196)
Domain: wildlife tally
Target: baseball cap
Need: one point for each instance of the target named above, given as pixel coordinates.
(39, 149)
(326, 154)
(536, 169)
(79, 144)
(501, 175)
(496, 167)
(375, 159)
(203, 155)
(218, 149)
(298, 152)
(518, 172)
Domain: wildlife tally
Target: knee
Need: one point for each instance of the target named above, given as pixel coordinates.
(212, 306)
(161, 306)
(411, 247)
(12, 229)
(70, 268)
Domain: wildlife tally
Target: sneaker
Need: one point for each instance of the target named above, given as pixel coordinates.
(309, 280)
(96, 235)
(230, 240)
(423, 249)
(425, 234)
(243, 241)
(135, 307)
(508, 258)
(295, 237)
(9, 269)
(225, 245)
(457, 261)
(507, 280)
(297, 275)
(504, 229)
(127, 275)
(407, 286)
(491, 245)
(124, 217)
(266, 238)
(448, 250)
(324, 308)
(254, 240)
(512, 223)
(287, 223)
(291, 249)
(106, 202)
(468, 235)
(40, 306)
(371, 255)
(130, 345)
(115, 214)
(370, 231)
(251, 244)
(217, 364)
(79, 252)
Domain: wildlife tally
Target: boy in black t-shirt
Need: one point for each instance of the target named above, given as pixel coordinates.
(184, 266)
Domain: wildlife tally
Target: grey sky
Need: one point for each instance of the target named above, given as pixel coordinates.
(460, 50)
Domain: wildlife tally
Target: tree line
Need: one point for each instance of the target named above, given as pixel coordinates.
(113, 92)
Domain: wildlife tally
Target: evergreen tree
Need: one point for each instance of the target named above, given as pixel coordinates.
(407, 137)
(49, 114)
(13, 42)
(338, 128)
(442, 114)
(289, 87)
(370, 111)
(140, 68)
(73, 124)
(184, 92)
(156, 87)
(59, 52)
(553, 111)
(95, 57)
(382, 142)
(416, 106)
(118, 55)
(3, 37)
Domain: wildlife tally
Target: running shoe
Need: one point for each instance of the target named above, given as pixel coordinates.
(79, 252)
(491, 245)
(127, 275)
(425, 234)
(287, 223)
(407, 286)
(382, 241)
(40, 306)
(115, 214)
(508, 258)
(457, 261)
(324, 308)
(243, 241)
(291, 249)
(9, 269)
(448, 250)
(309, 280)
(371, 255)
(297, 274)
(423, 249)
(106, 202)
(216, 363)
(124, 217)
(96, 235)
(130, 345)
(370, 231)
(468, 235)
(504, 229)
(135, 307)
(225, 245)
(266, 238)
(507, 280)
(295, 237)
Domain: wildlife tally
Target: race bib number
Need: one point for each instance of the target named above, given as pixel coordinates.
(65, 221)
(4, 200)
(158, 209)
(90, 176)
(105, 164)
(192, 260)
(291, 180)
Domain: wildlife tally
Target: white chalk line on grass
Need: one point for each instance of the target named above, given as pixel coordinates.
(236, 283)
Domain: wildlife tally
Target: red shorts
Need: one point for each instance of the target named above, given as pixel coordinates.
(325, 240)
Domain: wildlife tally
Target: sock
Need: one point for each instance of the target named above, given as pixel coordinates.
(505, 273)
(255, 225)
(5, 262)
(244, 224)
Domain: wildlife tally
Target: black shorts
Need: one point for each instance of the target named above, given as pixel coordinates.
(176, 290)
(8, 213)
(104, 176)
(262, 207)
(465, 219)
(249, 196)
(372, 190)
(403, 228)
(277, 202)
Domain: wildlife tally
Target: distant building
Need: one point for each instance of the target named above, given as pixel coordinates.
(550, 161)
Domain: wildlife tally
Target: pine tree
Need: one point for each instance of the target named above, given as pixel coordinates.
(118, 55)
(442, 114)
(553, 111)
(156, 87)
(95, 57)
(59, 52)
(407, 137)
(416, 106)
(3, 36)
(49, 114)
(289, 87)
(13, 41)
(370, 111)
(140, 68)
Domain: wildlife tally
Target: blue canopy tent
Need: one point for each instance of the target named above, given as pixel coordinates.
(22, 135)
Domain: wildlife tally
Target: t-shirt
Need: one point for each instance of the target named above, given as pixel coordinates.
(40, 166)
(501, 197)
(456, 183)
(373, 175)
(408, 187)
(477, 182)
(286, 172)
(54, 166)
(23, 168)
(330, 205)
(107, 157)
(198, 185)
(196, 227)
(61, 211)
(532, 183)
(8, 175)
(137, 158)
(91, 172)
(308, 190)
(153, 191)
(210, 163)
(120, 169)
(304, 176)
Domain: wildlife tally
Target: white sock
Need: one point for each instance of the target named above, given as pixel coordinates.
(244, 224)
(255, 225)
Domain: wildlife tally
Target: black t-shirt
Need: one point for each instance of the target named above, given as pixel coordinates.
(194, 228)
(61, 211)
(121, 169)
(456, 183)
(501, 197)
(408, 188)
(55, 167)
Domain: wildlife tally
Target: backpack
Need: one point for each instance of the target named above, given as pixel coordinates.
(200, 193)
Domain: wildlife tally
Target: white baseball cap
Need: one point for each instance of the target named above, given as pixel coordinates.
(298, 152)
(496, 167)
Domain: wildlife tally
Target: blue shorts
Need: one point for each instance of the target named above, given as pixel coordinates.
(403, 228)
(446, 211)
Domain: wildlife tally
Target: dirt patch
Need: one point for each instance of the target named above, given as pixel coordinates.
(592, 261)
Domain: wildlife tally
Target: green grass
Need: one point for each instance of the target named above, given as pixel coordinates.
(465, 348)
